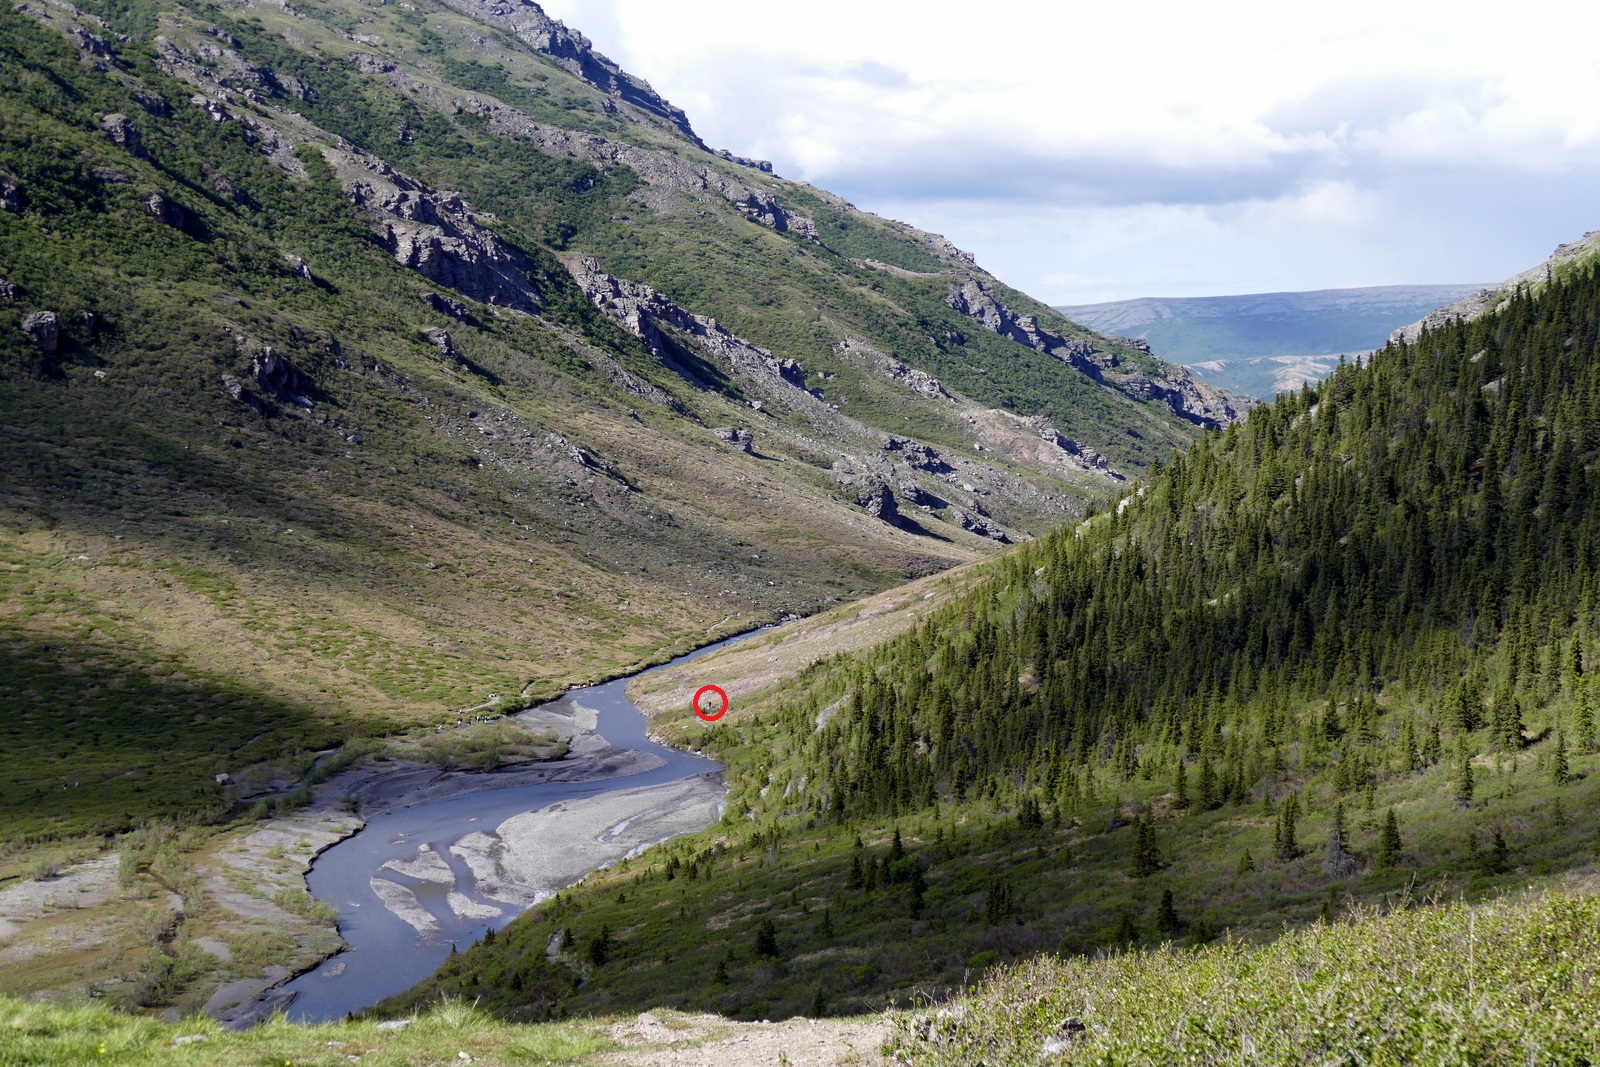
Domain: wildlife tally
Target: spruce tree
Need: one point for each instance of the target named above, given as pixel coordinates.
(1287, 847)
(1432, 745)
(1146, 859)
(1585, 722)
(600, 946)
(1180, 786)
(1506, 723)
(1499, 854)
(1126, 932)
(997, 906)
(766, 939)
(1389, 843)
(1247, 865)
(1560, 772)
(1336, 860)
(1465, 784)
(1166, 914)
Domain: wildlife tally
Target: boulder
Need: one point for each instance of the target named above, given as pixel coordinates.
(443, 342)
(737, 436)
(11, 199)
(43, 329)
(877, 500)
(124, 134)
(444, 305)
(976, 524)
(8, 291)
(164, 211)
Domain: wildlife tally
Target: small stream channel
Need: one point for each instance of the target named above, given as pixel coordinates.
(386, 955)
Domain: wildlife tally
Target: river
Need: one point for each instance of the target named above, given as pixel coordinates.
(386, 954)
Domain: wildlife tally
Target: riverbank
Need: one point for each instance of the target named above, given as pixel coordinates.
(284, 849)
(224, 918)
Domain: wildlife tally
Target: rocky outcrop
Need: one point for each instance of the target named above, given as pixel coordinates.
(575, 52)
(916, 455)
(763, 165)
(1034, 440)
(444, 305)
(877, 500)
(1205, 405)
(1089, 458)
(1496, 297)
(164, 211)
(1186, 396)
(8, 291)
(272, 375)
(435, 234)
(124, 135)
(642, 311)
(974, 523)
(975, 298)
(918, 381)
(12, 200)
(738, 437)
(444, 343)
(43, 329)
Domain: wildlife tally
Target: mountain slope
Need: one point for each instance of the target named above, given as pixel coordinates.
(1573, 256)
(1263, 344)
(1345, 648)
(364, 367)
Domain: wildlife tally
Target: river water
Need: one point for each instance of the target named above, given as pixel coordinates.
(386, 955)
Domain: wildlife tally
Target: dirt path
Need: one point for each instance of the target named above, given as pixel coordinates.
(665, 1039)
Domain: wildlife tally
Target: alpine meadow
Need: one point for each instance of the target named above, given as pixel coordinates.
(398, 398)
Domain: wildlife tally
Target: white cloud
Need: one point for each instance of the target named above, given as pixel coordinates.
(1306, 141)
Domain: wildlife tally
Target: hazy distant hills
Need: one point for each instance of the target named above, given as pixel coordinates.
(1263, 343)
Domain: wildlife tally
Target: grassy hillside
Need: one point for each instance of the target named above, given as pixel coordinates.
(1344, 649)
(1503, 982)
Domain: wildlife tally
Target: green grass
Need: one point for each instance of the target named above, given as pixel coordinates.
(1507, 982)
(47, 1035)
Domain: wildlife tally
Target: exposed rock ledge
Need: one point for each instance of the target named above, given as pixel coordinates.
(642, 311)
(1183, 395)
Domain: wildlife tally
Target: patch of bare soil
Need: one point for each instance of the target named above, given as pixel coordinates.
(667, 1039)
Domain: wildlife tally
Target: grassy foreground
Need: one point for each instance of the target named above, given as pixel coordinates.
(43, 1035)
(1507, 982)
(1512, 981)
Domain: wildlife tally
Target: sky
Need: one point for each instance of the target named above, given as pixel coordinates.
(1121, 149)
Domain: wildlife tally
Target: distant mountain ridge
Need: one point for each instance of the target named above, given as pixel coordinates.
(1261, 344)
